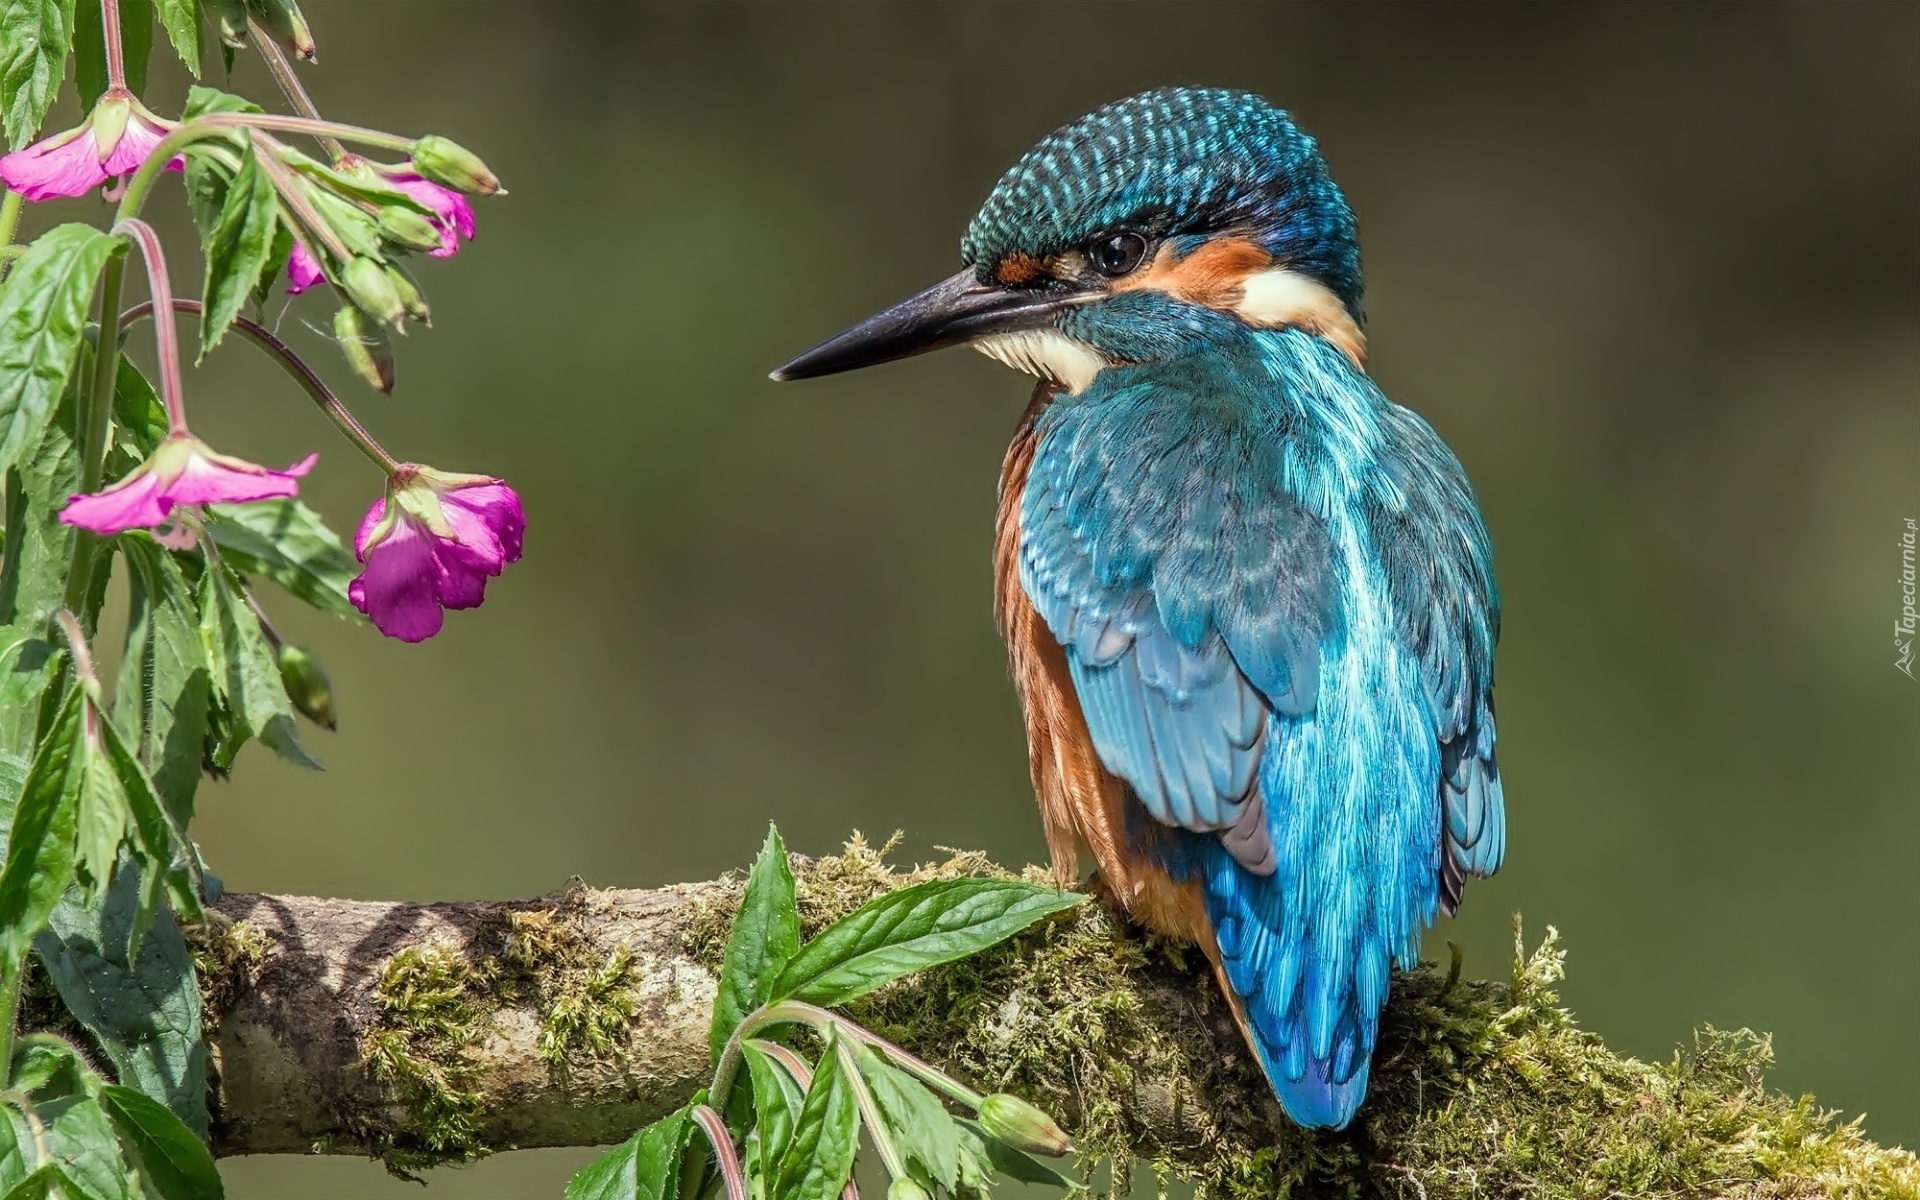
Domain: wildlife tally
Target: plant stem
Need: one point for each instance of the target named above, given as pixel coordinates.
(290, 87)
(716, 1131)
(311, 126)
(869, 1110)
(290, 195)
(9, 223)
(166, 334)
(302, 374)
(93, 431)
(10, 1009)
(110, 27)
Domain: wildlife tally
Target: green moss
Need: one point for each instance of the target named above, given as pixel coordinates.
(1480, 1089)
(226, 956)
(434, 1005)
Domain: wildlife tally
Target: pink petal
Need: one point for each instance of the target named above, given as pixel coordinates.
(367, 525)
(455, 212)
(462, 581)
(136, 502)
(65, 164)
(303, 270)
(492, 505)
(138, 141)
(210, 478)
(398, 590)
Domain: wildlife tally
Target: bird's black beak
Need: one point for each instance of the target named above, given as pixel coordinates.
(953, 311)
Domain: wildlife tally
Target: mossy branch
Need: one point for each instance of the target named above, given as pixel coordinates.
(422, 1034)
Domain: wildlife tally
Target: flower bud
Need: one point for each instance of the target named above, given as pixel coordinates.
(1012, 1120)
(405, 227)
(904, 1188)
(230, 19)
(365, 344)
(307, 685)
(369, 287)
(410, 297)
(282, 19)
(452, 165)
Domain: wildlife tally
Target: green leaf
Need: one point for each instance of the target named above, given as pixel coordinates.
(819, 1157)
(370, 189)
(922, 1127)
(81, 1139)
(16, 1144)
(39, 862)
(35, 36)
(237, 248)
(246, 679)
(644, 1167)
(100, 814)
(145, 1016)
(912, 929)
(1016, 1165)
(28, 663)
(139, 419)
(43, 313)
(287, 542)
(181, 20)
(766, 932)
(204, 100)
(47, 1183)
(777, 1100)
(160, 703)
(169, 1154)
(90, 48)
(33, 579)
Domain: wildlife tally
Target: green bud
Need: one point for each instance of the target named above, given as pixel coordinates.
(904, 1188)
(283, 20)
(405, 227)
(452, 165)
(365, 344)
(1012, 1120)
(410, 297)
(368, 286)
(307, 685)
(230, 19)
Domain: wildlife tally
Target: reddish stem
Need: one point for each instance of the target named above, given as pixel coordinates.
(110, 27)
(716, 1131)
(165, 335)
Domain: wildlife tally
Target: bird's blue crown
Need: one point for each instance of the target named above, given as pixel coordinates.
(1174, 163)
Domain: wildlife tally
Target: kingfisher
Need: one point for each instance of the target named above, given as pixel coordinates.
(1248, 601)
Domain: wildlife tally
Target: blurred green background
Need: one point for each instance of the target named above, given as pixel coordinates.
(1650, 269)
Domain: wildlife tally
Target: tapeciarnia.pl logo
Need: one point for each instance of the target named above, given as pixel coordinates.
(1903, 626)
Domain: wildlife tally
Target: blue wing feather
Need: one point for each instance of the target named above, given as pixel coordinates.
(1273, 587)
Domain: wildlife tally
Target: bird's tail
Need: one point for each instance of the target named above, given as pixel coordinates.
(1310, 1017)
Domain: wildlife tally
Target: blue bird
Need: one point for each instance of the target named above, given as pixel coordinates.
(1248, 600)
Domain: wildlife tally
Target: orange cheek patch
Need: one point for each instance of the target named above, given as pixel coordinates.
(1017, 269)
(1211, 275)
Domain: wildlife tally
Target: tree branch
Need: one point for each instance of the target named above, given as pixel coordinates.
(423, 1033)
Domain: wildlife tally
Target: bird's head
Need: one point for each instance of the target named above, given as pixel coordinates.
(1153, 227)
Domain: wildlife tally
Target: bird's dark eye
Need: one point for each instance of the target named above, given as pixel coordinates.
(1115, 254)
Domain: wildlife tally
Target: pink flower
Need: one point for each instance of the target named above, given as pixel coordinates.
(184, 470)
(452, 211)
(430, 544)
(303, 270)
(116, 139)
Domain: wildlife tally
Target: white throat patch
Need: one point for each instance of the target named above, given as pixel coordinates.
(1048, 353)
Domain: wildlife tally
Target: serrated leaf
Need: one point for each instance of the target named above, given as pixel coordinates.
(922, 1127)
(139, 419)
(246, 677)
(80, 1138)
(204, 100)
(160, 703)
(100, 815)
(766, 932)
(287, 542)
(644, 1167)
(35, 36)
(819, 1157)
(237, 248)
(1016, 1165)
(15, 1147)
(39, 862)
(145, 1016)
(90, 49)
(43, 315)
(181, 20)
(48, 1182)
(172, 1158)
(912, 929)
(777, 1101)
